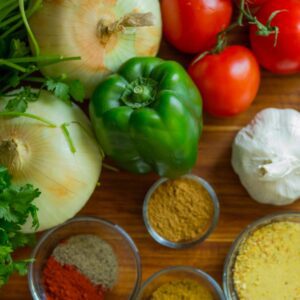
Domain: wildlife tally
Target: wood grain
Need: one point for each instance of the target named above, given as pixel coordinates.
(121, 194)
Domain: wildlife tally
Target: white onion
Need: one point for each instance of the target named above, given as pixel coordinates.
(41, 155)
(71, 28)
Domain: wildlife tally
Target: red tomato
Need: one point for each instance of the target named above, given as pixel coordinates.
(228, 81)
(284, 58)
(192, 25)
(255, 2)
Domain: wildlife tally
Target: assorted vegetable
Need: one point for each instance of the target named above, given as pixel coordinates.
(266, 157)
(279, 55)
(228, 80)
(103, 33)
(52, 147)
(192, 25)
(16, 205)
(148, 116)
(18, 65)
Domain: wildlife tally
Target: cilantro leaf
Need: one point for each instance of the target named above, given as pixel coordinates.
(14, 79)
(16, 205)
(77, 90)
(65, 90)
(19, 101)
(4, 178)
(18, 48)
(60, 89)
(18, 104)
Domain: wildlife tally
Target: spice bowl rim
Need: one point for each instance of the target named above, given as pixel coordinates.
(186, 244)
(229, 292)
(47, 234)
(199, 273)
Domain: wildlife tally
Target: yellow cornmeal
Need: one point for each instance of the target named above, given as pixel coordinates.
(186, 289)
(268, 264)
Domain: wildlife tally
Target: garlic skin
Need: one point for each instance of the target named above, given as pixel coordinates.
(40, 155)
(71, 28)
(266, 156)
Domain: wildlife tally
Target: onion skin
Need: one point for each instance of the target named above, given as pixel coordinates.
(44, 159)
(69, 28)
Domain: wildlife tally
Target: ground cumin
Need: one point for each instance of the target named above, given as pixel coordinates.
(267, 266)
(180, 210)
(182, 289)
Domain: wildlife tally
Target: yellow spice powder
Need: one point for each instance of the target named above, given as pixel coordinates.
(186, 289)
(268, 264)
(180, 210)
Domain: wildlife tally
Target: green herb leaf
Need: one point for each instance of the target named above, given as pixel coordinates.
(60, 89)
(19, 101)
(18, 49)
(77, 90)
(4, 178)
(16, 205)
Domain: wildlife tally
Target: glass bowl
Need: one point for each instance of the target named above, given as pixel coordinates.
(228, 284)
(129, 270)
(177, 273)
(184, 244)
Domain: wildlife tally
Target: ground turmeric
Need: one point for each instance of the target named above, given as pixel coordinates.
(180, 210)
(182, 289)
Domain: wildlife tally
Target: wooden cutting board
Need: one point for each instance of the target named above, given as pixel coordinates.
(121, 194)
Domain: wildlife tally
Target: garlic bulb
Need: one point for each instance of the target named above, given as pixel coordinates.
(266, 156)
(104, 33)
(39, 154)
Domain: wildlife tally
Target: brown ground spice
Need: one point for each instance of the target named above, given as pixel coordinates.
(267, 266)
(185, 289)
(180, 210)
(92, 256)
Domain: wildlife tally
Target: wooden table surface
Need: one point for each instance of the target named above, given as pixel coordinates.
(121, 194)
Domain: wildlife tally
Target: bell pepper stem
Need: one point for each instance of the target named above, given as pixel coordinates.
(140, 93)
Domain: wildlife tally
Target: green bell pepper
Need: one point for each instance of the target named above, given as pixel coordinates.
(148, 117)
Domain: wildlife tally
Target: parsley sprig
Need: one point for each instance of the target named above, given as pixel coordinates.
(15, 207)
(17, 64)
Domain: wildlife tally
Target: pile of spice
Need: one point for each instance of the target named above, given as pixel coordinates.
(182, 289)
(180, 210)
(83, 267)
(267, 266)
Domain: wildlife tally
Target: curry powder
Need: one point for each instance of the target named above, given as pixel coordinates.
(186, 289)
(180, 210)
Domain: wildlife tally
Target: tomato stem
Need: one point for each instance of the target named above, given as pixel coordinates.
(244, 13)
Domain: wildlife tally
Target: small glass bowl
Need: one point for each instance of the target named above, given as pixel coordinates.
(228, 283)
(129, 268)
(184, 244)
(178, 273)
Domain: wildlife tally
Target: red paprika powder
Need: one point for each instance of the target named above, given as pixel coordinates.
(64, 282)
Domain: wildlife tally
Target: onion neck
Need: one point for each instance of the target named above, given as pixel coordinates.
(12, 154)
(106, 29)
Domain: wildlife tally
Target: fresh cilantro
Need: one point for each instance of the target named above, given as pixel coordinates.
(18, 48)
(19, 102)
(18, 64)
(15, 208)
(60, 89)
(77, 90)
(65, 90)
